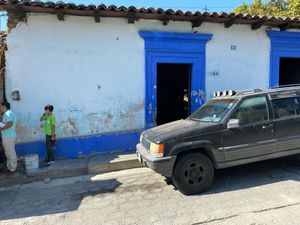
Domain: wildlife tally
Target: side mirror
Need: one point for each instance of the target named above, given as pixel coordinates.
(233, 123)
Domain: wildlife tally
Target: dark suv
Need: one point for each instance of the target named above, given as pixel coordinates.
(231, 129)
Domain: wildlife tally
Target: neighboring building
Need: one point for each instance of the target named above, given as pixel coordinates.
(112, 72)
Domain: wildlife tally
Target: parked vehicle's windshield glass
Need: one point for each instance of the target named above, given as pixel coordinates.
(214, 110)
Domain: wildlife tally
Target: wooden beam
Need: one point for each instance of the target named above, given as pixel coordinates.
(60, 15)
(165, 20)
(20, 13)
(197, 23)
(284, 27)
(97, 16)
(229, 22)
(257, 24)
(132, 17)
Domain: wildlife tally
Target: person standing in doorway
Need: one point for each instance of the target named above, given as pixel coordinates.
(49, 130)
(9, 135)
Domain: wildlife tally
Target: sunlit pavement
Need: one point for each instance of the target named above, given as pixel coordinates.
(260, 193)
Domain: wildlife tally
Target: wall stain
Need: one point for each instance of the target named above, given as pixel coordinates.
(110, 115)
(137, 107)
(128, 117)
(69, 127)
(20, 128)
(95, 123)
(99, 123)
(28, 134)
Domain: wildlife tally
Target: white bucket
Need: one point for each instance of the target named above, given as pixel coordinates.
(32, 164)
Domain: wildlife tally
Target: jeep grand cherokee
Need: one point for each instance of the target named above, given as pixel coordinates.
(231, 129)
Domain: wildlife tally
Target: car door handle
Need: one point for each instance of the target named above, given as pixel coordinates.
(267, 126)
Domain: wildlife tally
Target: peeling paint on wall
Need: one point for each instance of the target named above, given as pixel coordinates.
(72, 122)
(95, 123)
(68, 127)
(137, 107)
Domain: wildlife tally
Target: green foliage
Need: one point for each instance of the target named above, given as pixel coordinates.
(282, 8)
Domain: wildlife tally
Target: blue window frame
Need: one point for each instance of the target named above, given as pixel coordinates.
(283, 44)
(165, 47)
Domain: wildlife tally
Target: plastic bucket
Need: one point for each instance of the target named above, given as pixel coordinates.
(32, 164)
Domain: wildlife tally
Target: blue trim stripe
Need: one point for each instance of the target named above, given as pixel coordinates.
(83, 146)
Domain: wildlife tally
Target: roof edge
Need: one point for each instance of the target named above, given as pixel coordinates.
(18, 9)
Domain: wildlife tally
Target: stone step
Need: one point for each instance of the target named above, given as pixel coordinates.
(112, 162)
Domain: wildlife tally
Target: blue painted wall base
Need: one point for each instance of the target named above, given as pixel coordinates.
(71, 148)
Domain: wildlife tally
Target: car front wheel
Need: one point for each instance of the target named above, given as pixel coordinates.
(193, 173)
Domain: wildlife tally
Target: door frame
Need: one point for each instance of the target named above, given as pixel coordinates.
(283, 44)
(177, 48)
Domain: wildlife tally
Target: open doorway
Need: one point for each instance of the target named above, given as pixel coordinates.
(173, 92)
(289, 72)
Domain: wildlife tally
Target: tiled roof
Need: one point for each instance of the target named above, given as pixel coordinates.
(133, 14)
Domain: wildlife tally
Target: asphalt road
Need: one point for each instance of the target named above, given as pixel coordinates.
(255, 194)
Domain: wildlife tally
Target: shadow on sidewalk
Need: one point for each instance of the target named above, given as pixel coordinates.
(58, 196)
(256, 174)
(94, 164)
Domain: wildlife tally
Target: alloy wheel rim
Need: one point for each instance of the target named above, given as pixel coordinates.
(194, 173)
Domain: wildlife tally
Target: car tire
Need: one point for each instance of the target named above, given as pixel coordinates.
(193, 173)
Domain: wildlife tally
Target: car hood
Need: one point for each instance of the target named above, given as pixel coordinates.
(179, 129)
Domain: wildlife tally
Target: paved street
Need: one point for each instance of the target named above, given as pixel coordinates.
(256, 194)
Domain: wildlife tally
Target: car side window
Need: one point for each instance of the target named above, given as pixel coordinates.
(286, 107)
(251, 110)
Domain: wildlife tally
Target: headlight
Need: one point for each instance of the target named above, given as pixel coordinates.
(156, 150)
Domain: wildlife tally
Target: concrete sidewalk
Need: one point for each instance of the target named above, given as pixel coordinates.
(74, 167)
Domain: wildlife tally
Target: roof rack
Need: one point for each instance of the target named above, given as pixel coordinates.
(249, 91)
(285, 86)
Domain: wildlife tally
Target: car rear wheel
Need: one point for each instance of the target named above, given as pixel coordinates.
(193, 173)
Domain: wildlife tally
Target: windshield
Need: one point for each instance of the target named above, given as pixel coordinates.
(214, 110)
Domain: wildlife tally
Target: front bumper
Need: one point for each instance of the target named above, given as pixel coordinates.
(163, 166)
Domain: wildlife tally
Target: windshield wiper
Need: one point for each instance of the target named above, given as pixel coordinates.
(193, 118)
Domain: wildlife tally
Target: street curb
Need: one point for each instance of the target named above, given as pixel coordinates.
(113, 162)
(75, 167)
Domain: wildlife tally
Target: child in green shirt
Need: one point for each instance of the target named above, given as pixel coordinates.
(49, 130)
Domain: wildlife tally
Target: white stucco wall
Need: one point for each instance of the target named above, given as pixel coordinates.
(93, 73)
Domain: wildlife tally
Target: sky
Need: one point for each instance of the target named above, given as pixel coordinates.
(213, 5)
(190, 5)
